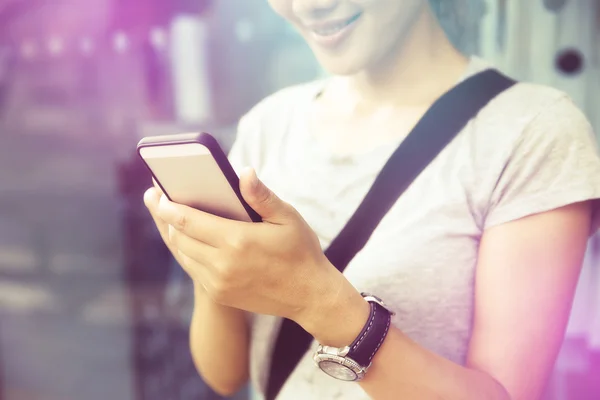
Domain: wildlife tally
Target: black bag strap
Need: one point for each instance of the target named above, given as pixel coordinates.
(440, 124)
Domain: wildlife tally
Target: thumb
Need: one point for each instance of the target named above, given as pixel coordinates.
(270, 207)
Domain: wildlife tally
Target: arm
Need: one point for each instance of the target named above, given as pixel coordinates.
(526, 277)
(219, 344)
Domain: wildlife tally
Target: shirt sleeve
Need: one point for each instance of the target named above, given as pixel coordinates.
(554, 163)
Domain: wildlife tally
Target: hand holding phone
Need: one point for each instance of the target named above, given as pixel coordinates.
(192, 169)
(274, 268)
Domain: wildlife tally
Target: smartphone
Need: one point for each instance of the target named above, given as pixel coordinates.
(192, 169)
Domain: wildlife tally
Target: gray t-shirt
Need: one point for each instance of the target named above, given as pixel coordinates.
(530, 150)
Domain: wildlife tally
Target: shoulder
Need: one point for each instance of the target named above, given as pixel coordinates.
(535, 113)
(527, 105)
(538, 152)
(530, 101)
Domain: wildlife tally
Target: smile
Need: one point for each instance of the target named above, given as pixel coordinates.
(333, 28)
(332, 33)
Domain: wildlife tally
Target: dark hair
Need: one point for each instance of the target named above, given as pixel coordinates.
(460, 19)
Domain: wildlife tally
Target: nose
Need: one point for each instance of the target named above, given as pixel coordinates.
(314, 9)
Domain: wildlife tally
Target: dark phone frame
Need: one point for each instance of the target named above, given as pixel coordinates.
(207, 140)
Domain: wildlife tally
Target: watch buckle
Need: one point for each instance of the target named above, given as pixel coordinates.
(374, 299)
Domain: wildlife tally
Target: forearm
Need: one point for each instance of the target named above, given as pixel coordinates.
(401, 368)
(219, 344)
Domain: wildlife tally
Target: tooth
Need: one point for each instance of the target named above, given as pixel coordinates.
(330, 31)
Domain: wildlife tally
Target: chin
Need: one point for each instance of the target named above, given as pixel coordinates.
(341, 65)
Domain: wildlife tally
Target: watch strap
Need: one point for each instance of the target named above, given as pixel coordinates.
(364, 348)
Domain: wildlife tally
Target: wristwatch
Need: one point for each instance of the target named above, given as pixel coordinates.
(351, 363)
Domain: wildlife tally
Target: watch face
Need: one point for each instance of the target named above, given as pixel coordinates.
(338, 371)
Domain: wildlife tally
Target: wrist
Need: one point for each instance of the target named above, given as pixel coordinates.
(202, 300)
(337, 312)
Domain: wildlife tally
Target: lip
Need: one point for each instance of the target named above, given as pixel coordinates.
(336, 38)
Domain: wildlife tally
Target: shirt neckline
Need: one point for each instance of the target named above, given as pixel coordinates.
(321, 151)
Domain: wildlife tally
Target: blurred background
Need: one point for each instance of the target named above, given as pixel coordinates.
(91, 306)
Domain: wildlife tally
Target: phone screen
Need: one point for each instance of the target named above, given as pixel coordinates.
(189, 175)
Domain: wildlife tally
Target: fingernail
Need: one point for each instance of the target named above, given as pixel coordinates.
(251, 173)
(166, 209)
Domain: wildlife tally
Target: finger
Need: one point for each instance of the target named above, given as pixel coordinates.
(151, 199)
(266, 203)
(199, 251)
(199, 225)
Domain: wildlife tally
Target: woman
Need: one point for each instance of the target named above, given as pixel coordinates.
(478, 259)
